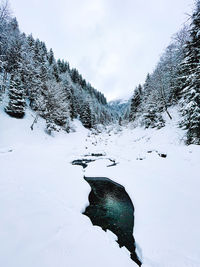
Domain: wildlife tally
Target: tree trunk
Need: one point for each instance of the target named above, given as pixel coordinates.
(165, 104)
(35, 120)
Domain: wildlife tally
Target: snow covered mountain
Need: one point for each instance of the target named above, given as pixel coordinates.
(120, 106)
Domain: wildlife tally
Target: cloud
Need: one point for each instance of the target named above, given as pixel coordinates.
(113, 43)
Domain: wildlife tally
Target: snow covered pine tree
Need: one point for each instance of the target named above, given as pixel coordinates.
(190, 102)
(16, 104)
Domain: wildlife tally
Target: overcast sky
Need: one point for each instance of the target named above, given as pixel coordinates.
(113, 43)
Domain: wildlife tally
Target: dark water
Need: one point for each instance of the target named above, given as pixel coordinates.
(111, 208)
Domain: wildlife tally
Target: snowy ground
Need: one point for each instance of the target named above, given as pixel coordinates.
(42, 196)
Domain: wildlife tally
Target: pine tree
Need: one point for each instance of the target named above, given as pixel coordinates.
(72, 103)
(62, 66)
(27, 68)
(135, 103)
(37, 72)
(55, 106)
(152, 118)
(151, 107)
(75, 76)
(190, 102)
(51, 58)
(4, 43)
(86, 116)
(55, 72)
(16, 105)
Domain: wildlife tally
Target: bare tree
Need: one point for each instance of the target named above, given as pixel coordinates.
(5, 12)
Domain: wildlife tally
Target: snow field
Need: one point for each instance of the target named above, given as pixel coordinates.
(42, 196)
(41, 199)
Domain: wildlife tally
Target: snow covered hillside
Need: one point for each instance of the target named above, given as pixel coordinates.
(42, 195)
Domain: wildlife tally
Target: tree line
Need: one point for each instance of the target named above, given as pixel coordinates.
(174, 81)
(31, 77)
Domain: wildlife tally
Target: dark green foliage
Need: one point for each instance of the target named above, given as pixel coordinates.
(152, 118)
(190, 102)
(16, 105)
(164, 87)
(55, 72)
(74, 75)
(77, 79)
(55, 107)
(62, 66)
(51, 58)
(135, 103)
(50, 87)
(86, 116)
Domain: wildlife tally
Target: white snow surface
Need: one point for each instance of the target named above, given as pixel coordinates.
(42, 195)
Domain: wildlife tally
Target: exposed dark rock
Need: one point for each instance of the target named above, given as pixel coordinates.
(95, 155)
(82, 162)
(17, 115)
(140, 158)
(162, 155)
(114, 163)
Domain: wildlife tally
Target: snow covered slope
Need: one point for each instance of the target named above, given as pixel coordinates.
(42, 196)
(161, 175)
